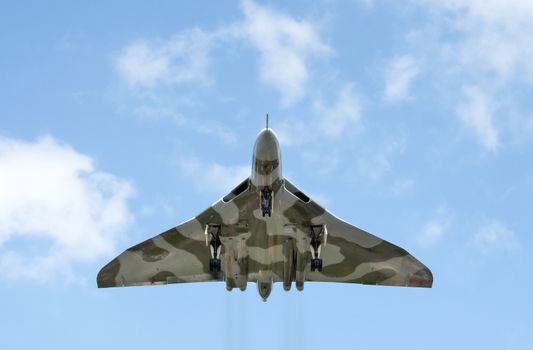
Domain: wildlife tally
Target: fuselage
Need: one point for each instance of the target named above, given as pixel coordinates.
(266, 162)
(266, 179)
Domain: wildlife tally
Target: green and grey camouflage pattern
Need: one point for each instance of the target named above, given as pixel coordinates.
(266, 230)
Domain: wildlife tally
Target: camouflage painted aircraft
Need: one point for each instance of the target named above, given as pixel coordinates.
(266, 230)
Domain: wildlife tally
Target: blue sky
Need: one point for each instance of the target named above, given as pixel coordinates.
(412, 120)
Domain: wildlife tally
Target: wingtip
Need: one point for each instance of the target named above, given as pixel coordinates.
(422, 278)
(107, 276)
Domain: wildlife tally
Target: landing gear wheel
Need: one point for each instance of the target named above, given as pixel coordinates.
(214, 265)
(316, 264)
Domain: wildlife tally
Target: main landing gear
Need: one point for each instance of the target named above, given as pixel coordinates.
(212, 240)
(319, 235)
(266, 201)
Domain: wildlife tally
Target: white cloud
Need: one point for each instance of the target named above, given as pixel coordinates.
(213, 177)
(479, 43)
(56, 209)
(183, 58)
(285, 44)
(476, 112)
(344, 114)
(436, 228)
(495, 236)
(495, 34)
(328, 120)
(399, 74)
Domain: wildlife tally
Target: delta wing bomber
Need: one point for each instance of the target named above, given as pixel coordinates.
(266, 230)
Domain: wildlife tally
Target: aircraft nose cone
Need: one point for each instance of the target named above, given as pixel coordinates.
(266, 146)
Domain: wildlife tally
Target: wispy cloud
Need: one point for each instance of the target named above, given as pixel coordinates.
(476, 112)
(328, 160)
(331, 120)
(158, 111)
(217, 130)
(181, 59)
(64, 209)
(495, 34)
(212, 177)
(493, 235)
(435, 228)
(343, 114)
(478, 50)
(285, 44)
(165, 79)
(402, 185)
(375, 163)
(399, 75)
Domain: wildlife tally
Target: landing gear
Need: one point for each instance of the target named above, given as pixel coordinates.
(319, 234)
(266, 201)
(212, 240)
(214, 265)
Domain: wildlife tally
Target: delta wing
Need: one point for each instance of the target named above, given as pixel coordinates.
(174, 256)
(350, 254)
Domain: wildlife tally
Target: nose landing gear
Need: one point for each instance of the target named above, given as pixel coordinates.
(212, 240)
(266, 201)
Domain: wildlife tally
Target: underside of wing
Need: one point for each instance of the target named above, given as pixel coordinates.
(356, 256)
(348, 258)
(177, 255)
